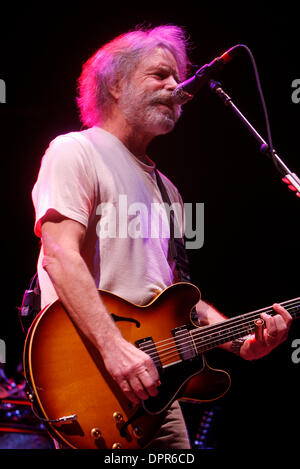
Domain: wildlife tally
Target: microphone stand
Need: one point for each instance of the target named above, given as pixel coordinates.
(291, 179)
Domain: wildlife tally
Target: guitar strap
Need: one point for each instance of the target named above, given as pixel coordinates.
(177, 249)
(31, 304)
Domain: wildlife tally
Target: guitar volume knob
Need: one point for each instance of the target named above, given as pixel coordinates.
(96, 433)
(118, 417)
(116, 446)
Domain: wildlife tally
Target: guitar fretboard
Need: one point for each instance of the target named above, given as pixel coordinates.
(187, 343)
(209, 337)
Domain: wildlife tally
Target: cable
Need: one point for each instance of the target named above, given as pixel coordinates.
(263, 103)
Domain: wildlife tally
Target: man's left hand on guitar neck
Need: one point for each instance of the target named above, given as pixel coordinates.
(274, 331)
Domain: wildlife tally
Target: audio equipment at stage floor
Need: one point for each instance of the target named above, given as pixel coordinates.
(19, 428)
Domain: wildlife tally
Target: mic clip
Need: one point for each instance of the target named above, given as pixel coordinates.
(183, 96)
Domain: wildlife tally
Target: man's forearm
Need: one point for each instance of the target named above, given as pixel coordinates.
(207, 314)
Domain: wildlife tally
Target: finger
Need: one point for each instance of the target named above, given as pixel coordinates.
(275, 325)
(283, 313)
(148, 383)
(128, 392)
(270, 331)
(282, 327)
(152, 370)
(270, 323)
(276, 329)
(138, 388)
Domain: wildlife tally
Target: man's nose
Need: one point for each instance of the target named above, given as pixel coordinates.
(171, 83)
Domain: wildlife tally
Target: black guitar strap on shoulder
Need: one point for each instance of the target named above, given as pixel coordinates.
(176, 245)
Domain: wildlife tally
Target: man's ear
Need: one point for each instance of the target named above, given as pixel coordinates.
(116, 88)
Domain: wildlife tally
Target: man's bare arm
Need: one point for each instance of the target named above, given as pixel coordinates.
(207, 314)
(132, 369)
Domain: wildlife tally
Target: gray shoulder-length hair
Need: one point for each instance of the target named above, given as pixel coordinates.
(118, 59)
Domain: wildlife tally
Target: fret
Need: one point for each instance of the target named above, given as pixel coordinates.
(208, 337)
(187, 342)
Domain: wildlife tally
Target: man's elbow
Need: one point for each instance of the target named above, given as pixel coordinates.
(60, 262)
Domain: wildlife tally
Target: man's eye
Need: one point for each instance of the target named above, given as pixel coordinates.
(163, 75)
(160, 75)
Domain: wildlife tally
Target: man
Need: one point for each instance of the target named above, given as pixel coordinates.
(125, 101)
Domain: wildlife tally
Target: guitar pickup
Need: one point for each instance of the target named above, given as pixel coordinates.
(147, 345)
(184, 343)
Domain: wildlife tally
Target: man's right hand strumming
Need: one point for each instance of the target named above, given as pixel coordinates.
(132, 369)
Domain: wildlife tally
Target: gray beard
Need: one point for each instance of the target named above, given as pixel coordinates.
(143, 112)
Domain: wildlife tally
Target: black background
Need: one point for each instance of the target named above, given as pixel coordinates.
(250, 254)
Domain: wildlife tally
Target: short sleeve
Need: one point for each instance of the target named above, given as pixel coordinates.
(65, 183)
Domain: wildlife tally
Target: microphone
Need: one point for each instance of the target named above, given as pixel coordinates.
(186, 90)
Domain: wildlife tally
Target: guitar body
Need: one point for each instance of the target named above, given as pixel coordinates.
(66, 375)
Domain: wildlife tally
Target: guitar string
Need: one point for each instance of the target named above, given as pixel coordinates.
(172, 352)
(188, 346)
(219, 327)
(253, 314)
(235, 320)
(212, 339)
(169, 352)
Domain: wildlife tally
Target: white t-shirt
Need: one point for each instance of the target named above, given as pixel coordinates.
(91, 177)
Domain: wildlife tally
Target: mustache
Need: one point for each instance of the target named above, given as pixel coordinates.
(159, 97)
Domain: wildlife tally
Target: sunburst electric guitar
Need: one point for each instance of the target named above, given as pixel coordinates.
(83, 407)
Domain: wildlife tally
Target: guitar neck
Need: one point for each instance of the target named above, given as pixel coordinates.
(209, 337)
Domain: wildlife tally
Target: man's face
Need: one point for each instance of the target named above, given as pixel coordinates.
(146, 100)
